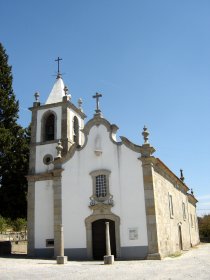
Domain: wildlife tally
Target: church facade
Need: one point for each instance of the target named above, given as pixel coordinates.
(81, 177)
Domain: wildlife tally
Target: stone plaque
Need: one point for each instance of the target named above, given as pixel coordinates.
(133, 233)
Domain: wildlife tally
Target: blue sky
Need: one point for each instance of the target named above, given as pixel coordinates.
(150, 60)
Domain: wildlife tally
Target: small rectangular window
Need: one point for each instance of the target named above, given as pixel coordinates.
(171, 208)
(49, 242)
(191, 220)
(184, 210)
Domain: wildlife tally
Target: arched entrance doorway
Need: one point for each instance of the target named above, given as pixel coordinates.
(99, 238)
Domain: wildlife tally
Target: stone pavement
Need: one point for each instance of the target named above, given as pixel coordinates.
(194, 264)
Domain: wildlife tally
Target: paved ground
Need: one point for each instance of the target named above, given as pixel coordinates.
(194, 264)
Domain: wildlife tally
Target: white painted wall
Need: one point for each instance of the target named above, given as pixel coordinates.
(41, 151)
(126, 186)
(58, 112)
(43, 213)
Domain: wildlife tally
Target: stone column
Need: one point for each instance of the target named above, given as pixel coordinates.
(61, 259)
(32, 181)
(31, 217)
(65, 126)
(108, 247)
(152, 233)
(108, 259)
(58, 229)
(148, 177)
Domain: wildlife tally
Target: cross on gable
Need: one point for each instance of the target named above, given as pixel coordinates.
(58, 60)
(97, 96)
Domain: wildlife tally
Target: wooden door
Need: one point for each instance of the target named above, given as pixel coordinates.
(99, 238)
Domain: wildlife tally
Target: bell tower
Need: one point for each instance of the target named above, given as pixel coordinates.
(57, 119)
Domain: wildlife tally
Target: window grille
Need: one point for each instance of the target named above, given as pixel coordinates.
(101, 186)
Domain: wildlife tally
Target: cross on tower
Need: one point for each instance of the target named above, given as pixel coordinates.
(58, 60)
(97, 96)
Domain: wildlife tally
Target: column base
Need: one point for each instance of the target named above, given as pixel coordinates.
(155, 256)
(62, 259)
(109, 259)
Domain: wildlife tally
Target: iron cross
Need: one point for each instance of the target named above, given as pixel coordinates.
(58, 60)
(97, 96)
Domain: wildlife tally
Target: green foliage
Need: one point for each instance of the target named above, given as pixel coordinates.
(8, 105)
(14, 148)
(3, 224)
(19, 224)
(204, 226)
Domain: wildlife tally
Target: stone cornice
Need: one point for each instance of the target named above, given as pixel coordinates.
(130, 145)
(45, 175)
(40, 177)
(111, 128)
(67, 104)
(96, 121)
(174, 179)
(192, 199)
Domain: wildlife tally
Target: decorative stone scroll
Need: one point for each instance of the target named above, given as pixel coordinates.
(108, 201)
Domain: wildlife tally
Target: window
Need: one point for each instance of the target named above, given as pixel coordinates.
(171, 208)
(101, 185)
(76, 130)
(49, 128)
(184, 210)
(195, 222)
(47, 159)
(100, 182)
(191, 217)
(49, 242)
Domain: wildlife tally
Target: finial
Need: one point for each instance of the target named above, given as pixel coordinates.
(192, 193)
(181, 175)
(80, 103)
(67, 95)
(59, 149)
(145, 134)
(97, 96)
(36, 95)
(58, 60)
(66, 90)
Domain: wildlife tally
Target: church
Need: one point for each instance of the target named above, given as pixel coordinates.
(80, 177)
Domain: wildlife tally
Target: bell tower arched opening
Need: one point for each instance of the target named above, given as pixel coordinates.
(49, 126)
(76, 130)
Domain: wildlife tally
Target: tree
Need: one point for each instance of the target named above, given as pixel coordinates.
(14, 147)
(204, 227)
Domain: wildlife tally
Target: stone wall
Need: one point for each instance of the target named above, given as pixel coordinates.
(193, 221)
(173, 213)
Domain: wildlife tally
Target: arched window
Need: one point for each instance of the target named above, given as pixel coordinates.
(76, 130)
(49, 128)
